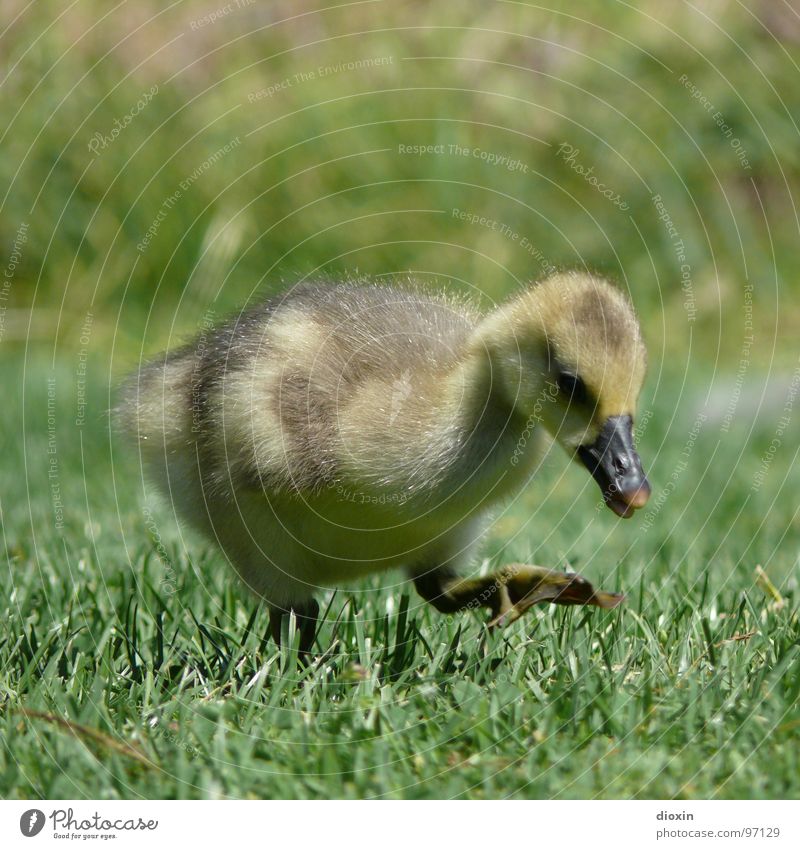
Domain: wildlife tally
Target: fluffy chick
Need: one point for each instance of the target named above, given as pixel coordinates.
(347, 428)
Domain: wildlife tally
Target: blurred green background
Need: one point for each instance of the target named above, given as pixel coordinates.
(317, 182)
(160, 165)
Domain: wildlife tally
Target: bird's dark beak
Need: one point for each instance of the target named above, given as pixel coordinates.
(614, 464)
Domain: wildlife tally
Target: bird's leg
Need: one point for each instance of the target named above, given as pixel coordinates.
(509, 592)
(449, 593)
(306, 615)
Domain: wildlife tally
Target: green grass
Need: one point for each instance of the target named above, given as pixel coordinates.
(160, 667)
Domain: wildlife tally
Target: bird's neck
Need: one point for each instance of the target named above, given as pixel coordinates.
(495, 378)
(495, 442)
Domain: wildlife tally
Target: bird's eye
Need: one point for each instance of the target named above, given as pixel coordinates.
(573, 387)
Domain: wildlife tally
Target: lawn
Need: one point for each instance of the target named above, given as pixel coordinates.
(134, 665)
(158, 169)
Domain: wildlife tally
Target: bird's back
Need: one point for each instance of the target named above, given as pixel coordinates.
(303, 390)
(384, 330)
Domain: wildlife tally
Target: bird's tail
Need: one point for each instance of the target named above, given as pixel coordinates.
(154, 408)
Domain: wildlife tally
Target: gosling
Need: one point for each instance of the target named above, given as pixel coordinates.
(349, 428)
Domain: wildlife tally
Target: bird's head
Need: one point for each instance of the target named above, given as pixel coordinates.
(568, 353)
